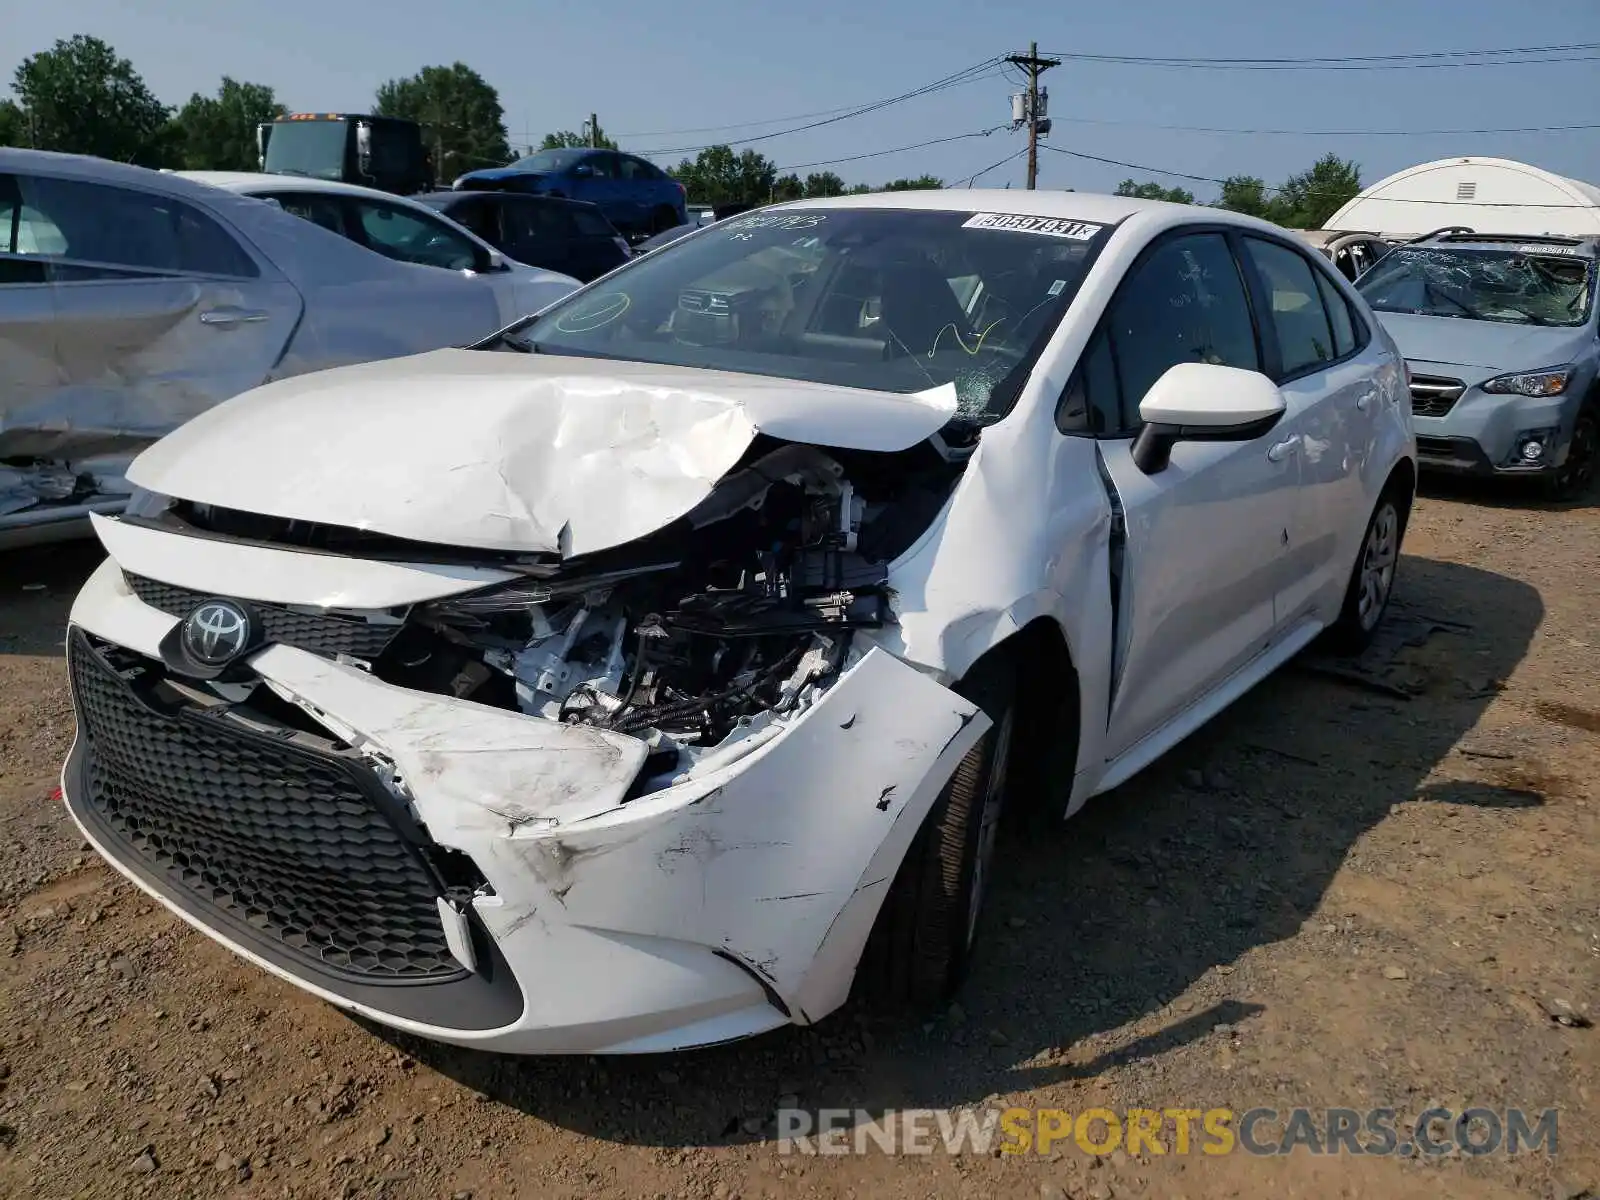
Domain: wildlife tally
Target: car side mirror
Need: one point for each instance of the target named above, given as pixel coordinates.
(1203, 402)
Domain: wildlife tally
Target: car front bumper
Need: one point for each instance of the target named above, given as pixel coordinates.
(727, 904)
(1482, 434)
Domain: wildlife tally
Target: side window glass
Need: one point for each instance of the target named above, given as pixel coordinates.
(589, 223)
(327, 211)
(19, 259)
(604, 166)
(1305, 338)
(1344, 334)
(1185, 303)
(483, 218)
(114, 227)
(411, 237)
(206, 248)
(1091, 403)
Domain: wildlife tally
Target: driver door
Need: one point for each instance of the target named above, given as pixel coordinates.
(1206, 536)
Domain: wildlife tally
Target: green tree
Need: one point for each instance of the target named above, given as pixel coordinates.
(788, 187)
(1150, 190)
(859, 189)
(718, 176)
(218, 133)
(13, 125)
(79, 97)
(1245, 194)
(465, 123)
(565, 139)
(824, 183)
(1308, 199)
(922, 183)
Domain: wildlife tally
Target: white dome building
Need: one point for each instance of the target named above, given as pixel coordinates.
(1487, 195)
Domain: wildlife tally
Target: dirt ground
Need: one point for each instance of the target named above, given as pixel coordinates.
(1332, 896)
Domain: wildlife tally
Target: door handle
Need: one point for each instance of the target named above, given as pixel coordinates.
(232, 316)
(1283, 449)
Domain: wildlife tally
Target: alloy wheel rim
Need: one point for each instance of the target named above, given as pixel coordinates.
(1379, 555)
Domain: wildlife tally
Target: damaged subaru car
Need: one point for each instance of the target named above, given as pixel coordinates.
(655, 672)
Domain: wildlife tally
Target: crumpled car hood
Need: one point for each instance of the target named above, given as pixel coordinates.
(509, 452)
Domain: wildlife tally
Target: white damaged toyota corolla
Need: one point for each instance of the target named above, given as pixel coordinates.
(656, 672)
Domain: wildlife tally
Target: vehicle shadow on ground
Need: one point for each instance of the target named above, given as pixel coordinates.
(1521, 494)
(1227, 844)
(37, 584)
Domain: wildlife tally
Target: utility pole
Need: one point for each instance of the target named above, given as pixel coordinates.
(594, 130)
(1033, 104)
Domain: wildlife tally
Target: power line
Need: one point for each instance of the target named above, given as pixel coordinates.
(972, 179)
(969, 75)
(826, 112)
(1212, 179)
(828, 162)
(1417, 63)
(1330, 132)
(1409, 56)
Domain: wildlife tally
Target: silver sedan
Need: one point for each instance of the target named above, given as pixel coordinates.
(133, 300)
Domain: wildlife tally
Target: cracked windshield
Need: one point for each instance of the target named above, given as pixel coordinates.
(889, 300)
(1511, 286)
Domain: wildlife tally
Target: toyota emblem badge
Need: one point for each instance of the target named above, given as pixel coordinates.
(216, 632)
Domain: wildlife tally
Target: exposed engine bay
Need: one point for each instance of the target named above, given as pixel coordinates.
(706, 632)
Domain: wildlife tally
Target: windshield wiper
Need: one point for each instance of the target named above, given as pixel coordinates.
(291, 171)
(1435, 293)
(504, 337)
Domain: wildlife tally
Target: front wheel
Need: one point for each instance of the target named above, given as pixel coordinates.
(1372, 579)
(920, 947)
(1576, 475)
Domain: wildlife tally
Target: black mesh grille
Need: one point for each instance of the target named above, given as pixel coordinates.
(280, 842)
(320, 633)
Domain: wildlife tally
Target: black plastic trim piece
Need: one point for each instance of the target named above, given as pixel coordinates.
(487, 999)
(1152, 448)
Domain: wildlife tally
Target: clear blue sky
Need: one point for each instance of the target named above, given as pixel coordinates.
(692, 63)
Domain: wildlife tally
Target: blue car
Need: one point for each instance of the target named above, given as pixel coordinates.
(636, 196)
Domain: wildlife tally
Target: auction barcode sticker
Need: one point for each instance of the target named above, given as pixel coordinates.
(1078, 231)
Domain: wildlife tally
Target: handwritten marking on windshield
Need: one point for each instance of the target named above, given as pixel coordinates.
(960, 341)
(598, 313)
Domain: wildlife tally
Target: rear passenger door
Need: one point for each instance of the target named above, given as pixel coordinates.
(1312, 353)
(161, 311)
(1204, 553)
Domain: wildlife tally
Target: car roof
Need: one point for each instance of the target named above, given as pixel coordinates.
(248, 181)
(1093, 207)
(1582, 247)
(183, 184)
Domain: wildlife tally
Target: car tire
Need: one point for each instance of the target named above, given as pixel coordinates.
(921, 944)
(1576, 475)
(662, 220)
(1371, 585)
